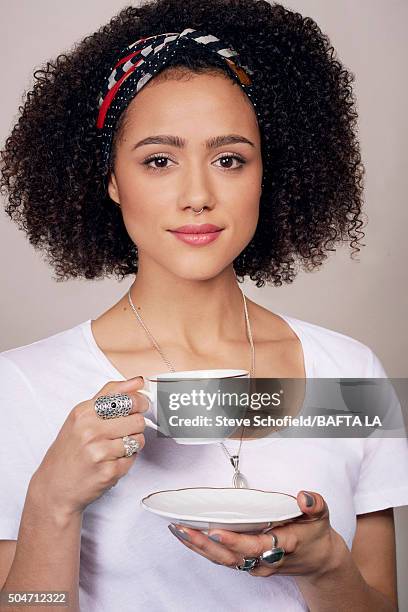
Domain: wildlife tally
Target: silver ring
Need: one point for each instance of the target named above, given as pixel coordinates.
(270, 557)
(274, 554)
(198, 212)
(131, 446)
(112, 406)
(248, 564)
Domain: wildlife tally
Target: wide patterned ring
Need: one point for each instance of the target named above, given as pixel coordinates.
(113, 406)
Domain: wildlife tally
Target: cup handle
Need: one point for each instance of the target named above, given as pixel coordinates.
(149, 395)
(150, 423)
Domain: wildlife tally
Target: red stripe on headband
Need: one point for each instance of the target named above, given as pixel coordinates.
(125, 59)
(110, 95)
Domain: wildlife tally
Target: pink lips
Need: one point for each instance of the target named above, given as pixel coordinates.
(197, 234)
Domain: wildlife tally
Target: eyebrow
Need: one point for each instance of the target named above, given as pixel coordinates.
(176, 141)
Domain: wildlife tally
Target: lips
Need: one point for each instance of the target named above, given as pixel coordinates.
(204, 228)
(197, 235)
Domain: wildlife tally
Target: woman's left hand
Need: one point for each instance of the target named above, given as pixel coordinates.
(312, 547)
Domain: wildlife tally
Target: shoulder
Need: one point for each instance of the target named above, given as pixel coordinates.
(60, 367)
(53, 349)
(44, 380)
(335, 354)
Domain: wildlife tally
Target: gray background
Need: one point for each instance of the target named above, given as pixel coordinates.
(367, 300)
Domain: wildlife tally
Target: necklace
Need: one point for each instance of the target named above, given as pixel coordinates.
(238, 480)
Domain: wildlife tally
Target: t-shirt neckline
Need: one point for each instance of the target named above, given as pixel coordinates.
(97, 351)
(307, 360)
(113, 371)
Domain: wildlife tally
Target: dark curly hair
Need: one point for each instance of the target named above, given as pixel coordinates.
(52, 169)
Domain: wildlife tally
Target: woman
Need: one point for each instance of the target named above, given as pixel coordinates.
(239, 117)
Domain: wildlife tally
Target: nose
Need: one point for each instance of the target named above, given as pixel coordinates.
(196, 192)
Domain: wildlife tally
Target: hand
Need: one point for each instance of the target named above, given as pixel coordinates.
(311, 545)
(87, 456)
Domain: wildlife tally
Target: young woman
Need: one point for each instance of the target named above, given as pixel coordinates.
(233, 117)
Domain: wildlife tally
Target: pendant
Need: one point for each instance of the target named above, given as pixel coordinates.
(239, 481)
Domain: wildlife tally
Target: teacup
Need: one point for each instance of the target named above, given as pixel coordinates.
(181, 377)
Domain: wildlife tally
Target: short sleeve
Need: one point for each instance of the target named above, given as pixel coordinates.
(383, 478)
(17, 461)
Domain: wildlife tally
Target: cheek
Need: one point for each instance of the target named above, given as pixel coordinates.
(247, 220)
(142, 207)
(141, 217)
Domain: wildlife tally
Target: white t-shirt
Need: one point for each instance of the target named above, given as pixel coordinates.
(129, 559)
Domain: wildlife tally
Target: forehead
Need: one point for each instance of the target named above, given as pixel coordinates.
(193, 104)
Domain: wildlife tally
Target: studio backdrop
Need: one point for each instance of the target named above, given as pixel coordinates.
(366, 298)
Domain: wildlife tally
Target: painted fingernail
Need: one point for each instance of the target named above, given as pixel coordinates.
(178, 532)
(215, 537)
(309, 499)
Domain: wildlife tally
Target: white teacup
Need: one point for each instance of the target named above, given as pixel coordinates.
(183, 376)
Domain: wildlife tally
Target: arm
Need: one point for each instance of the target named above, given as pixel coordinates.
(363, 580)
(85, 459)
(47, 551)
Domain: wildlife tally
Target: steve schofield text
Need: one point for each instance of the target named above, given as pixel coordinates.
(316, 420)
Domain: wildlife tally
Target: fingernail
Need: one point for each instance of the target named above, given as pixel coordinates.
(309, 499)
(178, 532)
(215, 537)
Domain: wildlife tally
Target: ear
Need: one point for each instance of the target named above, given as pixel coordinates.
(113, 190)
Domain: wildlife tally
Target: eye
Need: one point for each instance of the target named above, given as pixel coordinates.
(232, 156)
(159, 157)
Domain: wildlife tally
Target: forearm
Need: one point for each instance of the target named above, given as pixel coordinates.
(342, 588)
(47, 551)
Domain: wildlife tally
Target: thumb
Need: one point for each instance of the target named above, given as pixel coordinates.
(312, 504)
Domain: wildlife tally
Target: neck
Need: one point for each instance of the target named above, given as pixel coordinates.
(196, 314)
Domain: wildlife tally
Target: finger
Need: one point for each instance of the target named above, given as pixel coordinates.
(140, 403)
(218, 553)
(263, 570)
(312, 505)
(254, 545)
(109, 450)
(116, 448)
(199, 543)
(120, 426)
(129, 387)
(119, 386)
(121, 467)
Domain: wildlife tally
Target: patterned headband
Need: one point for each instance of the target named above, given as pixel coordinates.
(141, 60)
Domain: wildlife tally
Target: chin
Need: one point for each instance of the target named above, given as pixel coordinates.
(198, 272)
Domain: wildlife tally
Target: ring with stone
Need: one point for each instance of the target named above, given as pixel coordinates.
(112, 406)
(249, 563)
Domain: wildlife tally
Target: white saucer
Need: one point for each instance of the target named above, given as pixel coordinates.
(241, 510)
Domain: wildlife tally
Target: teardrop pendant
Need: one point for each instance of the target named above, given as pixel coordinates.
(239, 481)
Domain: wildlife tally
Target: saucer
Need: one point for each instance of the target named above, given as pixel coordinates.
(241, 510)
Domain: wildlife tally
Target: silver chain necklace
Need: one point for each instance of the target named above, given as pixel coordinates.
(238, 480)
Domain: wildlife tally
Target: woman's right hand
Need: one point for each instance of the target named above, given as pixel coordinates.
(87, 456)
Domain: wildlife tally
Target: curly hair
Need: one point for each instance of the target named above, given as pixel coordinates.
(51, 164)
